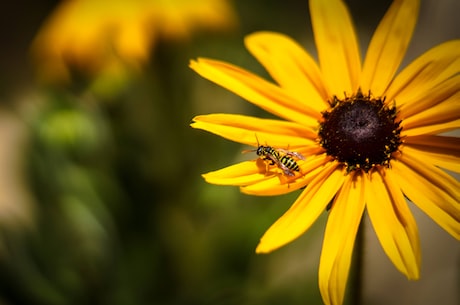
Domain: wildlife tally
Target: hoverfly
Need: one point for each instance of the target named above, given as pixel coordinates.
(284, 159)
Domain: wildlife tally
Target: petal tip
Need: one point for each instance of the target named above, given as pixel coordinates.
(192, 63)
(261, 249)
(195, 63)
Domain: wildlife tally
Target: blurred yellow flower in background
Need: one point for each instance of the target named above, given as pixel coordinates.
(110, 36)
(369, 136)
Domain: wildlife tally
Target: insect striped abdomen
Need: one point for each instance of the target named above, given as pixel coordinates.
(289, 163)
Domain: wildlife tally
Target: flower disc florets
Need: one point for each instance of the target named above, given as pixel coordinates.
(360, 131)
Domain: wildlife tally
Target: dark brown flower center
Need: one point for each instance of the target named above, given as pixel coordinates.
(360, 131)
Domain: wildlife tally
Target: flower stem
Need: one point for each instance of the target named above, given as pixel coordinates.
(356, 275)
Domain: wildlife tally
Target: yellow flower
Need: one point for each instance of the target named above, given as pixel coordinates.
(100, 36)
(369, 137)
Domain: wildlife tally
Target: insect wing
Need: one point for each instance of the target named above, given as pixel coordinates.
(292, 153)
(273, 158)
(286, 170)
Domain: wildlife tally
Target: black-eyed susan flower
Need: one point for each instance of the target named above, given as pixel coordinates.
(108, 36)
(369, 136)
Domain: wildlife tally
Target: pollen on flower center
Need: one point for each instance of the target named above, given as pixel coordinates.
(360, 131)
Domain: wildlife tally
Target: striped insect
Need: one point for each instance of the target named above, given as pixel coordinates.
(284, 159)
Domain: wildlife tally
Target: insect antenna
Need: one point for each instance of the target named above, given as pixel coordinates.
(248, 151)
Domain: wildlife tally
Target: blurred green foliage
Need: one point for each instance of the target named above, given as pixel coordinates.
(122, 215)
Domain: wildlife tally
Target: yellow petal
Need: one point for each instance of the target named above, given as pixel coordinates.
(277, 184)
(432, 129)
(243, 173)
(307, 208)
(133, 41)
(432, 190)
(448, 162)
(424, 73)
(256, 90)
(423, 101)
(281, 184)
(449, 186)
(339, 237)
(178, 19)
(445, 112)
(92, 34)
(338, 50)
(255, 131)
(439, 150)
(405, 218)
(393, 224)
(290, 66)
(388, 46)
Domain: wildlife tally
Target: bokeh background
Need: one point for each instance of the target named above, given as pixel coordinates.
(101, 198)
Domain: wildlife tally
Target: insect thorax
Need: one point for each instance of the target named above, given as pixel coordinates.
(267, 151)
